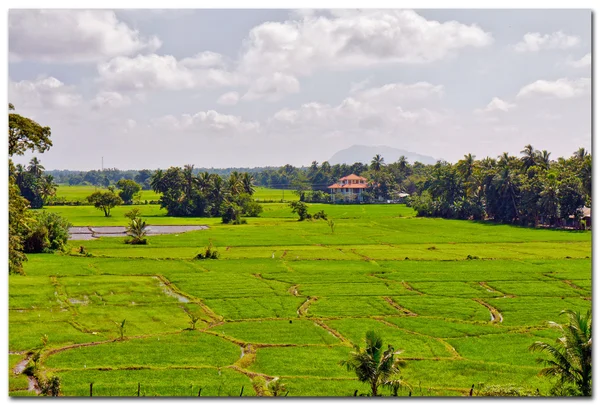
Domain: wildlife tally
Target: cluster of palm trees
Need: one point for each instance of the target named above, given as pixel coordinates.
(529, 190)
(34, 185)
(185, 193)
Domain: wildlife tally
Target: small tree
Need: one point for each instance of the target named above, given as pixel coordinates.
(374, 365)
(137, 231)
(129, 189)
(105, 201)
(331, 224)
(301, 209)
(121, 327)
(277, 388)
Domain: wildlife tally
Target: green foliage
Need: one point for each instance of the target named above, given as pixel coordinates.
(121, 329)
(136, 230)
(49, 232)
(104, 201)
(129, 189)
(26, 134)
(505, 391)
(571, 358)
(51, 387)
(375, 365)
(300, 208)
(209, 253)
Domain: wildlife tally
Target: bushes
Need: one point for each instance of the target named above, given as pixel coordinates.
(210, 253)
(50, 232)
(136, 228)
(231, 214)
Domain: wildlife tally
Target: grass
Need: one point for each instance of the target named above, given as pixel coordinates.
(288, 298)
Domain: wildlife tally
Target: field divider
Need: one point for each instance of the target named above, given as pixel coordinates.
(448, 346)
(494, 290)
(211, 314)
(334, 332)
(302, 311)
(400, 308)
(494, 313)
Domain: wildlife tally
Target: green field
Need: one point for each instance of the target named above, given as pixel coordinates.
(80, 193)
(287, 300)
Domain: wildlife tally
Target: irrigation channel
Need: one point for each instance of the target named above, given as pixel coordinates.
(93, 232)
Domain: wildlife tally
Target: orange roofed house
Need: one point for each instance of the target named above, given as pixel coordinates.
(351, 187)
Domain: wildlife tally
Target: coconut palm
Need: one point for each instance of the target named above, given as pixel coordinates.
(204, 181)
(247, 180)
(571, 357)
(35, 167)
(48, 187)
(188, 175)
(156, 181)
(377, 162)
(375, 365)
(529, 156)
(234, 183)
(543, 159)
(581, 153)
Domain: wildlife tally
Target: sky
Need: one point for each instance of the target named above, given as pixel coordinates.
(245, 88)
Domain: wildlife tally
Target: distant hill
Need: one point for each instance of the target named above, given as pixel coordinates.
(364, 154)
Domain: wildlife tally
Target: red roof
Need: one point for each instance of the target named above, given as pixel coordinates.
(353, 177)
(348, 186)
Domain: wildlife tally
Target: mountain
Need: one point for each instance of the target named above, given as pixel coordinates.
(364, 154)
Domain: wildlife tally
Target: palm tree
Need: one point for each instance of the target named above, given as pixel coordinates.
(374, 365)
(247, 185)
(402, 162)
(465, 166)
(35, 167)
(544, 159)
(204, 181)
(234, 183)
(48, 187)
(529, 156)
(188, 175)
(377, 163)
(571, 357)
(581, 153)
(156, 181)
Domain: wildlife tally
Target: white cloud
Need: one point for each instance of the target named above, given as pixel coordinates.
(561, 88)
(355, 39)
(272, 87)
(68, 36)
(230, 98)
(534, 41)
(496, 104)
(378, 109)
(203, 60)
(585, 61)
(110, 99)
(205, 123)
(148, 72)
(42, 93)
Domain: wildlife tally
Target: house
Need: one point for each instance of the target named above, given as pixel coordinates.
(351, 187)
(585, 215)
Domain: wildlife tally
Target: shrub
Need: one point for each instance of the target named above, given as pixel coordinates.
(50, 232)
(231, 213)
(136, 230)
(210, 253)
(320, 215)
(301, 209)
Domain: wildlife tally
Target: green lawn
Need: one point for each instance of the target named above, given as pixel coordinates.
(287, 300)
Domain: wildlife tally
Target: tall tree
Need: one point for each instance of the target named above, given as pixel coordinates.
(377, 163)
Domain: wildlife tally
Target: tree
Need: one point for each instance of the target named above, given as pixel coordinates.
(375, 365)
(23, 134)
(129, 189)
(156, 181)
(105, 201)
(530, 156)
(571, 357)
(377, 163)
(300, 208)
(136, 231)
(26, 134)
(247, 183)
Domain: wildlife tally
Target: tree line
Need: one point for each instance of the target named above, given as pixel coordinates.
(528, 190)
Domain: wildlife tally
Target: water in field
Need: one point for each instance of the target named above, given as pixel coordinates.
(89, 232)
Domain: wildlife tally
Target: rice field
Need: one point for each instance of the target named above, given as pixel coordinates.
(286, 300)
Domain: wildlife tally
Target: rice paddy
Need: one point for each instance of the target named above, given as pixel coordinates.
(287, 300)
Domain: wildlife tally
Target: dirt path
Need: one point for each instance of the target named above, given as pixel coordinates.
(334, 332)
(393, 303)
(20, 367)
(495, 315)
(304, 307)
(570, 284)
(294, 290)
(174, 291)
